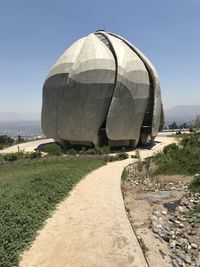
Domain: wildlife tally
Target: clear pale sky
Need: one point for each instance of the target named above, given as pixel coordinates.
(34, 33)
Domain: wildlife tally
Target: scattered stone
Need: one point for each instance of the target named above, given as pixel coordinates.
(188, 259)
(180, 255)
(180, 262)
(154, 218)
(174, 263)
(179, 232)
(193, 232)
(173, 188)
(193, 245)
(155, 230)
(175, 223)
(181, 209)
(198, 263)
(190, 220)
(157, 214)
(183, 219)
(189, 231)
(164, 212)
(171, 219)
(178, 228)
(181, 225)
(165, 237)
(172, 244)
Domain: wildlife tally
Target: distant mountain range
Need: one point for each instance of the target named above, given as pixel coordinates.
(12, 116)
(179, 114)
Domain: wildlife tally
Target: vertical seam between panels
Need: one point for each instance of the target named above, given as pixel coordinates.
(116, 66)
(148, 68)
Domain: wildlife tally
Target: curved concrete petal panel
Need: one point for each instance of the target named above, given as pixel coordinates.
(102, 88)
(130, 96)
(156, 87)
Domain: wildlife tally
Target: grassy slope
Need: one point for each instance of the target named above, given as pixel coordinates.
(183, 159)
(180, 161)
(29, 192)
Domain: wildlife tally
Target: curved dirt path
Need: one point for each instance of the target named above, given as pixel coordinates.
(90, 228)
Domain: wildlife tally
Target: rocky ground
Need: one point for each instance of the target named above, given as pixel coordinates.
(160, 211)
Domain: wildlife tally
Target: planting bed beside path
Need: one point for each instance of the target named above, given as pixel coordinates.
(166, 188)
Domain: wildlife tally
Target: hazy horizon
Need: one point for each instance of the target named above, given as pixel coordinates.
(181, 113)
(39, 111)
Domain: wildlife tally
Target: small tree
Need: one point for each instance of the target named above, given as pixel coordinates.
(20, 139)
(173, 126)
(197, 123)
(184, 125)
(4, 139)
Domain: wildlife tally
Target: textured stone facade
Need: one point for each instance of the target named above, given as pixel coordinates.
(103, 91)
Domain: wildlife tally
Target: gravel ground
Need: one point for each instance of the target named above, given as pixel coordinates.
(160, 212)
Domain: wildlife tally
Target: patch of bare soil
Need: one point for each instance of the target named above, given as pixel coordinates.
(159, 211)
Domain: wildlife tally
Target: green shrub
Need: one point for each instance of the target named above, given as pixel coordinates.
(121, 156)
(53, 149)
(72, 152)
(117, 157)
(90, 151)
(195, 188)
(10, 157)
(182, 160)
(82, 151)
(103, 150)
(21, 154)
(136, 156)
(195, 184)
(1, 158)
(95, 151)
(111, 158)
(125, 174)
(170, 148)
(192, 139)
(35, 155)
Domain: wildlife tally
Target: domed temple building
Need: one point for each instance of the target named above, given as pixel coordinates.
(102, 91)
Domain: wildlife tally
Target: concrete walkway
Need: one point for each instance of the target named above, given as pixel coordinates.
(32, 145)
(90, 228)
(27, 146)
